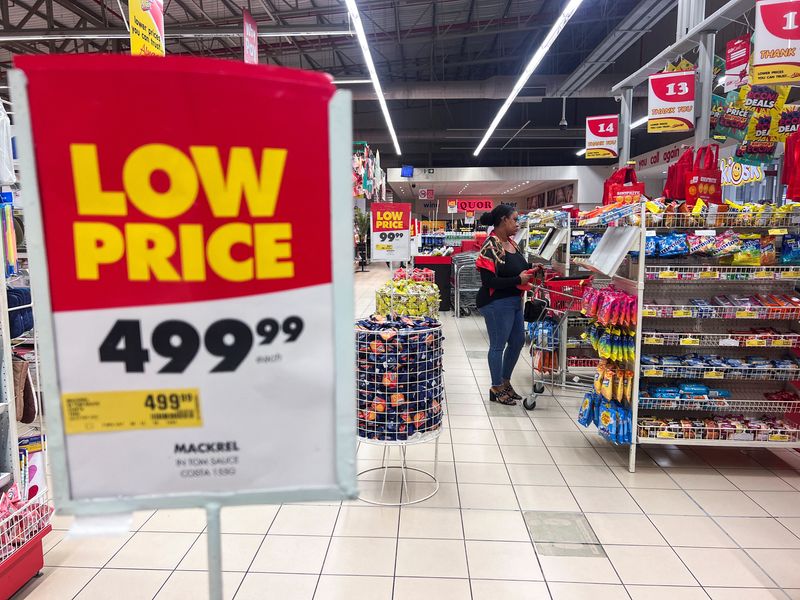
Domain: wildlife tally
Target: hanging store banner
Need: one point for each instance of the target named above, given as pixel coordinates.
(146, 21)
(737, 63)
(250, 39)
(601, 136)
(452, 207)
(670, 103)
(776, 43)
(196, 346)
(482, 205)
(391, 231)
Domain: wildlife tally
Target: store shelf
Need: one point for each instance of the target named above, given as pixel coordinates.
(773, 225)
(690, 311)
(705, 274)
(720, 340)
(727, 405)
(717, 373)
(721, 434)
(718, 443)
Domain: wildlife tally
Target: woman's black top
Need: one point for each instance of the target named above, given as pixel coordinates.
(499, 271)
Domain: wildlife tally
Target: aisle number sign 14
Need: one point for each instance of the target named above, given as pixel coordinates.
(391, 231)
(776, 43)
(602, 136)
(670, 102)
(190, 324)
(146, 19)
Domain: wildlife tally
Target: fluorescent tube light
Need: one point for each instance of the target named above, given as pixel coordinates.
(349, 81)
(639, 123)
(581, 152)
(537, 57)
(362, 41)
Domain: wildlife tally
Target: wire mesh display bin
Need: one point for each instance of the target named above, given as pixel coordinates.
(466, 283)
(21, 534)
(414, 274)
(408, 298)
(401, 398)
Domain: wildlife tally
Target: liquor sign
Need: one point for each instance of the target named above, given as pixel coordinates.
(250, 39)
(601, 136)
(180, 311)
(670, 102)
(452, 207)
(146, 18)
(391, 230)
(737, 62)
(473, 205)
(776, 43)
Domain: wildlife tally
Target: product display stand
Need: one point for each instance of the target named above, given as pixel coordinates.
(401, 399)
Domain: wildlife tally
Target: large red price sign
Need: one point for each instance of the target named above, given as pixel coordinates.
(776, 52)
(670, 103)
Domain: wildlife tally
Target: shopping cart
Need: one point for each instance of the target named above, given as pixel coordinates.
(466, 283)
(557, 297)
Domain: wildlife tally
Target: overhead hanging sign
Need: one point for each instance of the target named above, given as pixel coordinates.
(180, 312)
(146, 22)
(473, 205)
(737, 174)
(250, 45)
(670, 102)
(391, 230)
(737, 62)
(601, 136)
(776, 43)
(427, 194)
(452, 207)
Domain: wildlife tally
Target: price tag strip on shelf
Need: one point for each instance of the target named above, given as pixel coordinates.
(197, 319)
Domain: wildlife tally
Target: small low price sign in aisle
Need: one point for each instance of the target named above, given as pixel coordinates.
(195, 340)
(670, 102)
(601, 136)
(776, 43)
(391, 231)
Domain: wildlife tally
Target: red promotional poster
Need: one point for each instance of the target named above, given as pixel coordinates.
(179, 280)
(737, 62)
(391, 230)
(250, 45)
(601, 136)
(670, 102)
(776, 42)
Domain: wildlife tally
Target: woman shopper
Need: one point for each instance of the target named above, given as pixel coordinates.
(502, 269)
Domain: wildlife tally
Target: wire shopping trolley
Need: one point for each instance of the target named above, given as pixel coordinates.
(552, 300)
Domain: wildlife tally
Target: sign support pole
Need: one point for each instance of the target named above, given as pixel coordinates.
(214, 534)
(626, 117)
(705, 64)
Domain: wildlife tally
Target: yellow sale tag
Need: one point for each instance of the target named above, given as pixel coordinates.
(790, 275)
(124, 410)
(782, 343)
(682, 313)
(780, 231)
(746, 314)
(386, 247)
(764, 275)
(690, 341)
(668, 275)
(755, 343)
(653, 341)
(648, 312)
(709, 274)
(667, 435)
(778, 437)
(713, 375)
(653, 373)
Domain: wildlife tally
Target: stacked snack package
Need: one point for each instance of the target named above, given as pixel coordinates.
(399, 374)
(414, 274)
(728, 427)
(20, 521)
(612, 418)
(408, 298)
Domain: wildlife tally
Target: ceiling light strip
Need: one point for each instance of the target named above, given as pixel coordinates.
(362, 41)
(537, 57)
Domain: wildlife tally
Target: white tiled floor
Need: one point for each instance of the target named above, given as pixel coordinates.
(703, 524)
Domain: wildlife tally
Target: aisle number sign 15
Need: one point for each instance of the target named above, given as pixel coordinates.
(177, 295)
(776, 44)
(670, 102)
(602, 136)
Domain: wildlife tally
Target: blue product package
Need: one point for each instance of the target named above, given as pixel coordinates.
(719, 393)
(694, 389)
(577, 244)
(733, 362)
(650, 359)
(790, 249)
(671, 361)
(592, 239)
(665, 392)
(672, 244)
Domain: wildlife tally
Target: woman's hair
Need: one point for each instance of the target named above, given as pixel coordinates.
(498, 213)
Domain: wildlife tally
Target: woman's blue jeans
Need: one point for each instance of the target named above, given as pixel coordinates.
(506, 336)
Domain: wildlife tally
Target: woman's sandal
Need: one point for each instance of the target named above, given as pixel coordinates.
(512, 392)
(502, 397)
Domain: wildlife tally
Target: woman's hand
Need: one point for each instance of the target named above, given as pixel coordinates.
(525, 277)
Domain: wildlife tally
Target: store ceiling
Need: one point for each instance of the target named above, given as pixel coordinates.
(446, 65)
(497, 190)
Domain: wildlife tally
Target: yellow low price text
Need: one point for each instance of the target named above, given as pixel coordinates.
(152, 251)
(388, 219)
(125, 410)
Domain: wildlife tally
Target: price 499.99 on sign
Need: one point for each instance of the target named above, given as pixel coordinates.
(192, 323)
(391, 223)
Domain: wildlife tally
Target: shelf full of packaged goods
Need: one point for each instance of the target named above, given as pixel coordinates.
(718, 443)
(744, 399)
(768, 373)
(720, 274)
(747, 222)
(721, 340)
(708, 311)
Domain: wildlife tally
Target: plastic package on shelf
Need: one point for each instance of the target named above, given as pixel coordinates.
(414, 274)
(612, 418)
(399, 379)
(408, 298)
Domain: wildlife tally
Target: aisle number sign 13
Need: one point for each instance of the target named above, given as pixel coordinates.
(602, 136)
(670, 102)
(391, 231)
(188, 325)
(776, 43)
